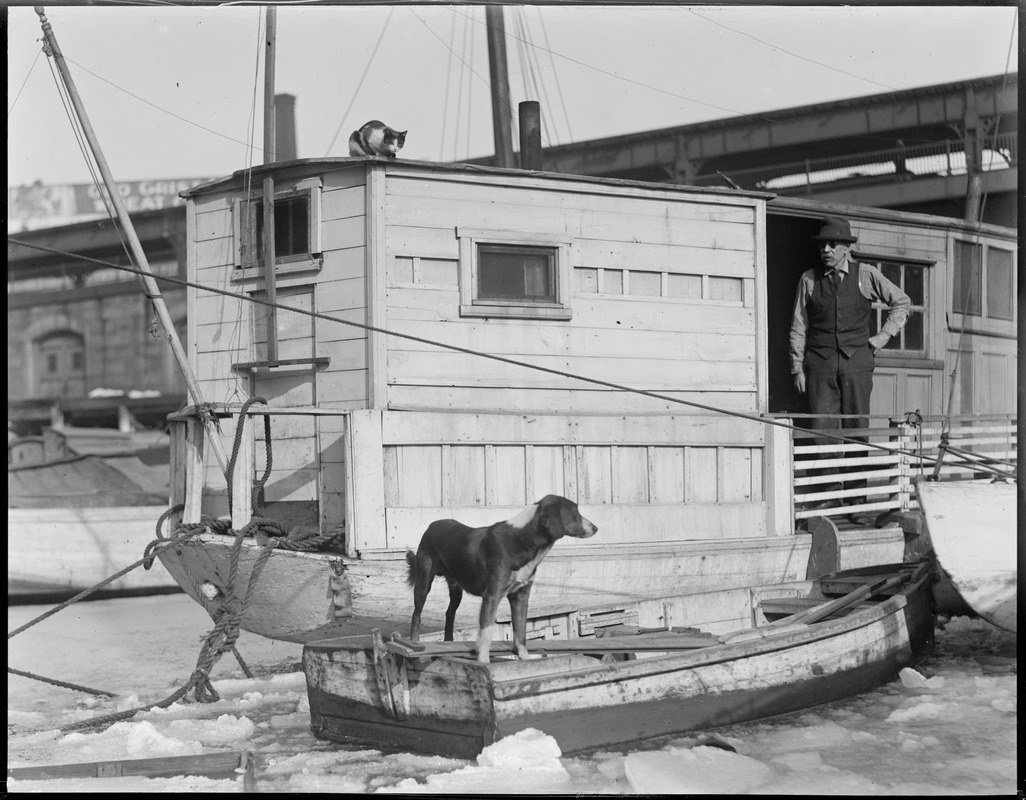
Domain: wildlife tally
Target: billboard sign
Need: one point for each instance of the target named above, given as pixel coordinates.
(42, 205)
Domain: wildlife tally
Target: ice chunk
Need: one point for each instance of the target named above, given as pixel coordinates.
(145, 741)
(701, 770)
(911, 679)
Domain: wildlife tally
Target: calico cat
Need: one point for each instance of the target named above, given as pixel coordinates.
(376, 139)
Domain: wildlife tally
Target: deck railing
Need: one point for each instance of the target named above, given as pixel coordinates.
(898, 451)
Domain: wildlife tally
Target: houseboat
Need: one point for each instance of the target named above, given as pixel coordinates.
(421, 340)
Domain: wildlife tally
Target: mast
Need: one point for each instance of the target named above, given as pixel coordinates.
(501, 119)
(150, 287)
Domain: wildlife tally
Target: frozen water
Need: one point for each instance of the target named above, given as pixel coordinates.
(947, 727)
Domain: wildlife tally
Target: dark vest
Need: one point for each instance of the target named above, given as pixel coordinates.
(838, 318)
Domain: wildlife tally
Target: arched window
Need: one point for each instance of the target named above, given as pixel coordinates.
(60, 365)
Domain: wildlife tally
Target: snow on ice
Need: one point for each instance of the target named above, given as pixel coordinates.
(946, 727)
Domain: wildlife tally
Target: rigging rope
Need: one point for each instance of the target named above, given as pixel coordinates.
(359, 84)
(468, 351)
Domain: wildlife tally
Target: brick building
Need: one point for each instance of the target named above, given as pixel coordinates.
(83, 345)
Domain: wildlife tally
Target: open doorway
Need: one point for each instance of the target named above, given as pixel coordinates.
(789, 252)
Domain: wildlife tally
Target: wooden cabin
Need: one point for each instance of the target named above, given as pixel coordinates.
(675, 291)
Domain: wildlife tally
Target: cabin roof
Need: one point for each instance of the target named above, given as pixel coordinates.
(804, 207)
(314, 165)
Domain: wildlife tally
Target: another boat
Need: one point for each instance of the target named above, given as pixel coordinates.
(972, 527)
(83, 504)
(606, 676)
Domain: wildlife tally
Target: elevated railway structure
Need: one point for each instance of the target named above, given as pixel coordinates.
(913, 150)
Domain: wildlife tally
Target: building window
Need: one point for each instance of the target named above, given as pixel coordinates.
(297, 226)
(504, 274)
(910, 276)
(60, 365)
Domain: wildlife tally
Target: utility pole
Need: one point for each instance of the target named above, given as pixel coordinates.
(499, 73)
(973, 158)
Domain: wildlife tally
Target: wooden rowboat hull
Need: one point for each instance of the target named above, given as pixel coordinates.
(972, 528)
(453, 706)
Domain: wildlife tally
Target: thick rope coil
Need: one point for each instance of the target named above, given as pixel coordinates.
(237, 445)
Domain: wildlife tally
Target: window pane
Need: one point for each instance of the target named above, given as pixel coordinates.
(914, 284)
(291, 227)
(968, 282)
(999, 284)
(913, 332)
(508, 272)
(891, 271)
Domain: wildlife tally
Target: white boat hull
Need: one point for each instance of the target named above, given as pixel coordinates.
(294, 594)
(972, 528)
(67, 550)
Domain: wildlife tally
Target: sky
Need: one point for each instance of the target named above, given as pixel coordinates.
(177, 92)
(946, 727)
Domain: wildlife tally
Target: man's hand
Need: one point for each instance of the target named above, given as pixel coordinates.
(799, 382)
(877, 342)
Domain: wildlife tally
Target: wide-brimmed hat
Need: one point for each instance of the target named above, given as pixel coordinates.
(836, 229)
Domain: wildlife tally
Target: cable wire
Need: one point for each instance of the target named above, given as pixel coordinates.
(765, 420)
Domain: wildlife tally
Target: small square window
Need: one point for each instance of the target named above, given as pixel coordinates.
(296, 229)
(507, 274)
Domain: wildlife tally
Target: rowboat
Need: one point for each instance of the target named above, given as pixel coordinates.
(972, 529)
(604, 676)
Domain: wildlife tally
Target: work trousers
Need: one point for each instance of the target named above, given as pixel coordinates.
(838, 385)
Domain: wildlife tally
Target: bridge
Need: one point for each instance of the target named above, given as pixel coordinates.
(911, 150)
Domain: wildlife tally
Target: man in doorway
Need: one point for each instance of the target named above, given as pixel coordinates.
(832, 351)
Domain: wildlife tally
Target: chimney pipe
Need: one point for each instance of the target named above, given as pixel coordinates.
(530, 135)
(285, 127)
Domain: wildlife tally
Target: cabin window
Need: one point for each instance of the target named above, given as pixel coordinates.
(999, 284)
(509, 273)
(968, 294)
(911, 277)
(297, 240)
(984, 284)
(505, 274)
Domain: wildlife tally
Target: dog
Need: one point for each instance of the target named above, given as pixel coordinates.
(491, 563)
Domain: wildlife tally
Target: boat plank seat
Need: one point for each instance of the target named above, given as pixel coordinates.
(646, 640)
(832, 586)
(785, 606)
